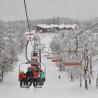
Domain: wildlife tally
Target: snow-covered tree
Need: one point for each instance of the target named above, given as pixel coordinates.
(75, 46)
(11, 44)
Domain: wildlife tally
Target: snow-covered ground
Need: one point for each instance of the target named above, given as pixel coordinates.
(53, 87)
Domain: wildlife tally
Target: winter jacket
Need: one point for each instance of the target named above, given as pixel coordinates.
(22, 76)
(29, 74)
(42, 74)
(36, 74)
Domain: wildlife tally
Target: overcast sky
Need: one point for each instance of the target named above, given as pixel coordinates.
(37, 9)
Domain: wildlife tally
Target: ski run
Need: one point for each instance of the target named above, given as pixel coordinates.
(53, 87)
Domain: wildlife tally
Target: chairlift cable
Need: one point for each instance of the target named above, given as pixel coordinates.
(27, 17)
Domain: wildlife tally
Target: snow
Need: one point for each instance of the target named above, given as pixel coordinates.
(53, 87)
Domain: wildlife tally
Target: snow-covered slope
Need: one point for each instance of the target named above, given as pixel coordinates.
(53, 88)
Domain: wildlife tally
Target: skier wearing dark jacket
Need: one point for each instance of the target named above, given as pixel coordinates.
(29, 77)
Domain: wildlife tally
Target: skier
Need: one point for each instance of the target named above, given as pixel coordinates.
(42, 77)
(29, 77)
(22, 78)
(35, 79)
(59, 77)
(97, 81)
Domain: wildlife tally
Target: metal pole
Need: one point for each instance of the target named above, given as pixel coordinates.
(40, 57)
(26, 53)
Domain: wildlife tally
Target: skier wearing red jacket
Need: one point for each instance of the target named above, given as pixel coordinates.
(22, 78)
(36, 76)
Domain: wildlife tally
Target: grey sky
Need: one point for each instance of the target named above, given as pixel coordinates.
(37, 9)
